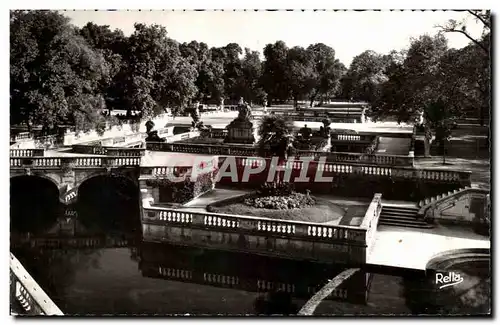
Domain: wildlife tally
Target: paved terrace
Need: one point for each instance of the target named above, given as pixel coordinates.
(395, 248)
(407, 248)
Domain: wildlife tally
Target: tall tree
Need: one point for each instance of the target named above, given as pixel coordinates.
(476, 57)
(251, 67)
(232, 71)
(112, 45)
(422, 86)
(301, 74)
(158, 76)
(55, 75)
(274, 76)
(328, 72)
(364, 77)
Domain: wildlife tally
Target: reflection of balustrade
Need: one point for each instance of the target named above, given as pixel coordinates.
(25, 292)
(91, 241)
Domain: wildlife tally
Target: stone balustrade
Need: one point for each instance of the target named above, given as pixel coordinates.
(431, 202)
(218, 133)
(86, 162)
(25, 292)
(27, 152)
(209, 149)
(370, 221)
(254, 225)
(392, 171)
(21, 136)
(348, 137)
(108, 151)
(358, 158)
(232, 150)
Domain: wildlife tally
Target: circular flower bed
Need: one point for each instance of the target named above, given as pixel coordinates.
(292, 201)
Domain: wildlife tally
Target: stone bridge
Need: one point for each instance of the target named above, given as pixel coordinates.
(68, 173)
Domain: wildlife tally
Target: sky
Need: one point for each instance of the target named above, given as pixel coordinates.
(348, 32)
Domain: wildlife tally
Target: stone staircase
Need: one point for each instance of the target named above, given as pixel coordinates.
(439, 197)
(402, 216)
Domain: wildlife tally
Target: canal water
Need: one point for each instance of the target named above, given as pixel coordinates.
(91, 260)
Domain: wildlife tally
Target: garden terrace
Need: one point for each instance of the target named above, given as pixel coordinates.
(346, 179)
(285, 238)
(323, 210)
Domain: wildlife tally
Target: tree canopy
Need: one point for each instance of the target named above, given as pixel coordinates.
(61, 74)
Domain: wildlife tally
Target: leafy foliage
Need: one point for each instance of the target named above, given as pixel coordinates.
(182, 192)
(55, 75)
(64, 75)
(275, 135)
(365, 76)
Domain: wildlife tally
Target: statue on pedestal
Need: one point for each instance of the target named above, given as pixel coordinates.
(240, 130)
(152, 134)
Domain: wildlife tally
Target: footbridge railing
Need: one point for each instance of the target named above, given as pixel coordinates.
(28, 297)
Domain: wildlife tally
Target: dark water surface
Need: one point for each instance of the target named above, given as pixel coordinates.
(91, 260)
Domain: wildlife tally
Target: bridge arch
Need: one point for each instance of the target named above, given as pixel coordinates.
(120, 174)
(109, 201)
(46, 176)
(34, 202)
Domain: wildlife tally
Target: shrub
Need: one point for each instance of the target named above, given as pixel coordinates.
(185, 191)
(276, 189)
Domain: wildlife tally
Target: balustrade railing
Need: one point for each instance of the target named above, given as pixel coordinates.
(255, 225)
(404, 172)
(27, 295)
(370, 221)
(229, 150)
(209, 149)
(428, 203)
(86, 162)
(26, 152)
(360, 158)
(22, 136)
(108, 151)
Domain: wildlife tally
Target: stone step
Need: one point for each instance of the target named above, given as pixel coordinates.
(402, 220)
(409, 214)
(405, 225)
(402, 208)
(400, 217)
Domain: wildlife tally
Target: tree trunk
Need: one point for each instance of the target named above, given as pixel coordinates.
(427, 141)
(427, 147)
(444, 152)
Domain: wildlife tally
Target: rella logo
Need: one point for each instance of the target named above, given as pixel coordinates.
(447, 280)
